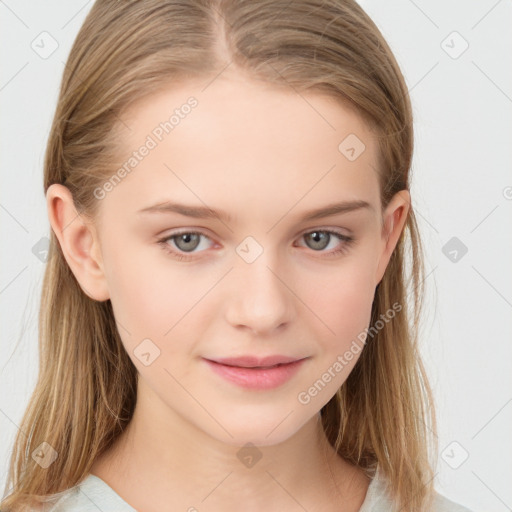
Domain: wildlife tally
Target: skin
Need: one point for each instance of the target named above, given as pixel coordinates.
(266, 156)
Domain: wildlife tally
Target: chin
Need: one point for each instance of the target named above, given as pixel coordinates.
(261, 430)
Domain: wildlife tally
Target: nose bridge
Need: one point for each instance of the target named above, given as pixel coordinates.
(259, 298)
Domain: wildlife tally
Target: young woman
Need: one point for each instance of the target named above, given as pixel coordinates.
(228, 317)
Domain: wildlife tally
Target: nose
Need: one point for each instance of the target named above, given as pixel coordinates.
(258, 297)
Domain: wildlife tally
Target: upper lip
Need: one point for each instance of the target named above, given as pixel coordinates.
(254, 361)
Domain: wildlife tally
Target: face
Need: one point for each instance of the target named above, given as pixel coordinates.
(263, 276)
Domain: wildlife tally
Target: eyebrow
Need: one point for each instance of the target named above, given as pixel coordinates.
(203, 212)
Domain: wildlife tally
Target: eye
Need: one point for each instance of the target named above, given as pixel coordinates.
(185, 242)
(320, 239)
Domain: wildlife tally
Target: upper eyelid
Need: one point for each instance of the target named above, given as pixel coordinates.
(203, 233)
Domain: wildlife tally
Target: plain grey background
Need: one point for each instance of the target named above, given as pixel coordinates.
(456, 60)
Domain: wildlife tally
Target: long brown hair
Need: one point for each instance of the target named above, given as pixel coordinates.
(86, 390)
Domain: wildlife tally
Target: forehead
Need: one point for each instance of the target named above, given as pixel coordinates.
(244, 142)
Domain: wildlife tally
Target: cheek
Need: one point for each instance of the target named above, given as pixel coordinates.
(155, 299)
(342, 301)
(147, 298)
(344, 306)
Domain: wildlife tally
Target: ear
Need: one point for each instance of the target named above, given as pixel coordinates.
(394, 218)
(78, 241)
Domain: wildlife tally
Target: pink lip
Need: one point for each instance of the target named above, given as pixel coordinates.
(254, 361)
(247, 371)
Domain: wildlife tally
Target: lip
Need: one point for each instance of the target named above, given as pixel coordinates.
(254, 361)
(256, 373)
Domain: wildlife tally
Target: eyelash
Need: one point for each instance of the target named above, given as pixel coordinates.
(347, 241)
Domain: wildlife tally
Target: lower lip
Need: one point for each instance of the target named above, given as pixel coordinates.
(257, 378)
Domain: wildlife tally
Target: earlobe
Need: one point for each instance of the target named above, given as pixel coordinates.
(78, 241)
(395, 217)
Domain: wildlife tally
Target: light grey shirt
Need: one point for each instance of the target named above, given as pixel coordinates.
(94, 495)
